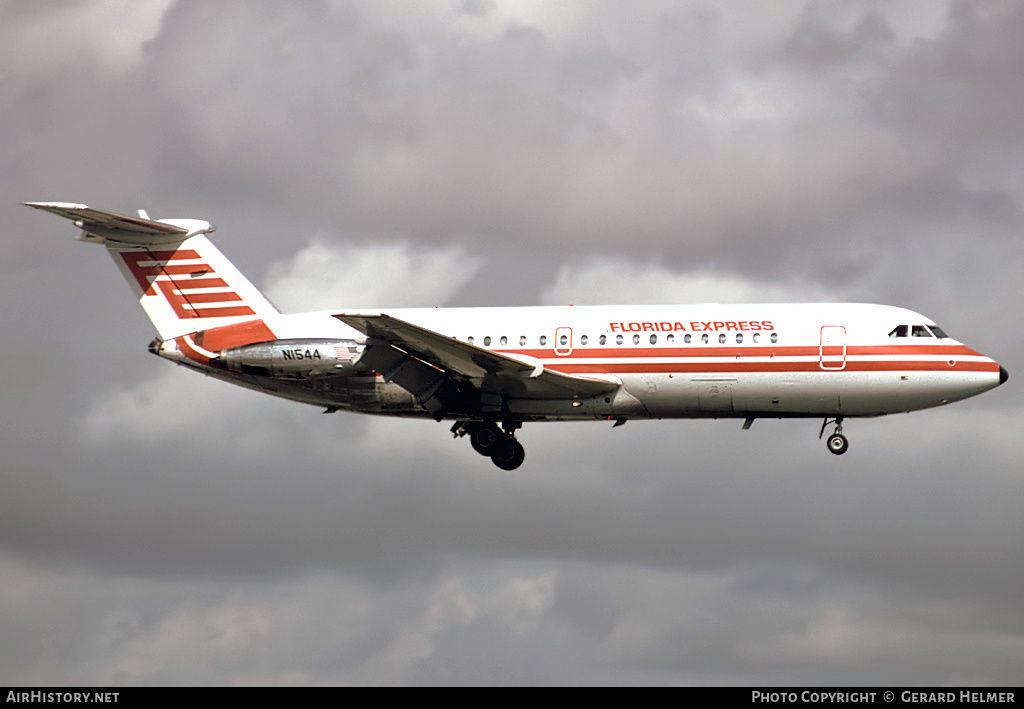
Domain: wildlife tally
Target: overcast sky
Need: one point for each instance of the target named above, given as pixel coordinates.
(157, 527)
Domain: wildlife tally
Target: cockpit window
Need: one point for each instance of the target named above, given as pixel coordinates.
(917, 331)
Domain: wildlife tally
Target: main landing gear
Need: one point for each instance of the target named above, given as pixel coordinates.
(489, 440)
(837, 443)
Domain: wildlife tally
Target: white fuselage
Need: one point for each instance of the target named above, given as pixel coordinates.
(676, 361)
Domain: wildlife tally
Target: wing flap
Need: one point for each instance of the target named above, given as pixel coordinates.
(492, 372)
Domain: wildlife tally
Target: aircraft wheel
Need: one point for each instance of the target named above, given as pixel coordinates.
(508, 454)
(483, 438)
(837, 444)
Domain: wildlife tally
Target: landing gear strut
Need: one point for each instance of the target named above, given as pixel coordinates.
(837, 443)
(491, 441)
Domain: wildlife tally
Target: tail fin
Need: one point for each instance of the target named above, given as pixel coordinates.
(181, 279)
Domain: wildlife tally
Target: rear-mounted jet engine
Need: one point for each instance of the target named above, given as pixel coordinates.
(299, 359)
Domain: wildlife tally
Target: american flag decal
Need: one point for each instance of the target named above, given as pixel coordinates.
(343, 353)
(187, 282)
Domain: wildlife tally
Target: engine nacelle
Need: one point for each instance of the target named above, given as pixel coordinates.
(301, 358)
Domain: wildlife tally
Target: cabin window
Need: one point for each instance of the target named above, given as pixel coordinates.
(721, 339)
(899, 331)
(503, 340)
(756, 338)
(602, 339)
(543, 339)
(636, 339)
(687, 338)
(775, 337)
(522, 340)
(704, 338)
(739, 338)
(937, 331)
(618, 339)
(919, 331)
(469, 339)
(583, 339)
(654, 339)
(670, 338)
(487, 341)
(563, 340)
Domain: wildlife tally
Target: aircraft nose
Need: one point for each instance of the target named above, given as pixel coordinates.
(1003, 375)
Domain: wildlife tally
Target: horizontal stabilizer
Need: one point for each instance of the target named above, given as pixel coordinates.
(107, 227)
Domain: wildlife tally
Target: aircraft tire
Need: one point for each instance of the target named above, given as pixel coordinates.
(485, 437)
(837, 444)
(509, 454)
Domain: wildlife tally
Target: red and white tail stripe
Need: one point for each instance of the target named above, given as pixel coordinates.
(189, 284)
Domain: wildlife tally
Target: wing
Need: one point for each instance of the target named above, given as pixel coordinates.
(395, 345)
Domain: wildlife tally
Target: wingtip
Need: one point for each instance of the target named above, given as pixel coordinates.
(55, 205)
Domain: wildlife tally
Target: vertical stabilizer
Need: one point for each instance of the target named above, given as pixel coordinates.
(184, 283)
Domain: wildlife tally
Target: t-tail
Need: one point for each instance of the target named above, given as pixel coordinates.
(184, 283)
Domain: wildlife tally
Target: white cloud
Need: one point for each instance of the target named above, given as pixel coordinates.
(744, 101)
(325, 275)
(174, 403)
(444, 610)
(112, 32)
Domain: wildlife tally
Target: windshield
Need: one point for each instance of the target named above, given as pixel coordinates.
(917, 331)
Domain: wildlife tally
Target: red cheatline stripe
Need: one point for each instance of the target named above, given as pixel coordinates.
(752, 351)
(234, 335)
(189, 351)
(911, 350)
(769, 367)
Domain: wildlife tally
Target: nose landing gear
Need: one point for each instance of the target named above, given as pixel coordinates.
(499, 445)
(837, 443)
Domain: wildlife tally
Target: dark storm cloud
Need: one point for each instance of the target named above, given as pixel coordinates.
(507, 153)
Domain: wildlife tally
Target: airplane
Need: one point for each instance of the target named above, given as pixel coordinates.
(489, 370)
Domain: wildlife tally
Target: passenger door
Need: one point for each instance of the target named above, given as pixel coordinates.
(832, 351)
